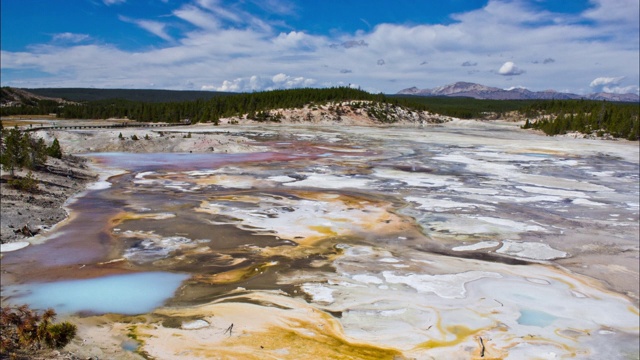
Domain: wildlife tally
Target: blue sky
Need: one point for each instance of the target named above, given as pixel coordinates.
(579, 46)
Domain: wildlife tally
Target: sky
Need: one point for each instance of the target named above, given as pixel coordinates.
(578, 46)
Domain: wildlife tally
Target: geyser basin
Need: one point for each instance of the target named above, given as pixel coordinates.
(123, 294)
(434, 243)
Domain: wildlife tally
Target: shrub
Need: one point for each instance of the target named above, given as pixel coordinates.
(27, 183)
(23, 330)
(59, 335)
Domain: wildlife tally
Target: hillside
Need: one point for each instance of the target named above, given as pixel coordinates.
(19, 97)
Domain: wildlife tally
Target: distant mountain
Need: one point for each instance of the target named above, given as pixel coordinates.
(614, 97)
(477, 91)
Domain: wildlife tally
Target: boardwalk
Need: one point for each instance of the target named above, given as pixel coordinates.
(112, 126)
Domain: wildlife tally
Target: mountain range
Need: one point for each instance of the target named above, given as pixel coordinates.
(477, 91)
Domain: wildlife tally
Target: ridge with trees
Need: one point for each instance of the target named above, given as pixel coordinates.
(551, 116)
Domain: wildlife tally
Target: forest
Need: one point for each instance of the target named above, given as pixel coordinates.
(551, 116)
(620, 120)
(199, 110)
(144, 95)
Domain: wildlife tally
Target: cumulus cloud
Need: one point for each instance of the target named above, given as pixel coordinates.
(297, 40)
(261, 83)
(469, 63)
(606, 81)
(510, 69)
(613, 85)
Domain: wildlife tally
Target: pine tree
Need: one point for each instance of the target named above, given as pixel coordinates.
(54, 150)
(14, 155)
(37, 151)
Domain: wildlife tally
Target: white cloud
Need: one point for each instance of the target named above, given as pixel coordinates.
(70, 37)
(631, 89)
(212, 16)
(510, 69)
(606, 81)
(215, 7)
(282, 7)
(625, 11)
(197, 17)
(156, 28)
(350, 44)
(216, 46)
(112, 2)
(261, 83)
(613, 85)
(296, 40)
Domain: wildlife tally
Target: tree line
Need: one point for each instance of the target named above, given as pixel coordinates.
(617, 119)
(208, 110)
(620, 120)
(253, 104)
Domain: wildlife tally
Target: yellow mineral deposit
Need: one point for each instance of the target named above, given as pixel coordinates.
(258, 325)
(234, 276)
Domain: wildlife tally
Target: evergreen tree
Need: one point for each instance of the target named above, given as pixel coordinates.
(37, 151)
(14, 155)
(54, 150)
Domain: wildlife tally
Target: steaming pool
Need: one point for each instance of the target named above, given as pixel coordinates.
(472, 240)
